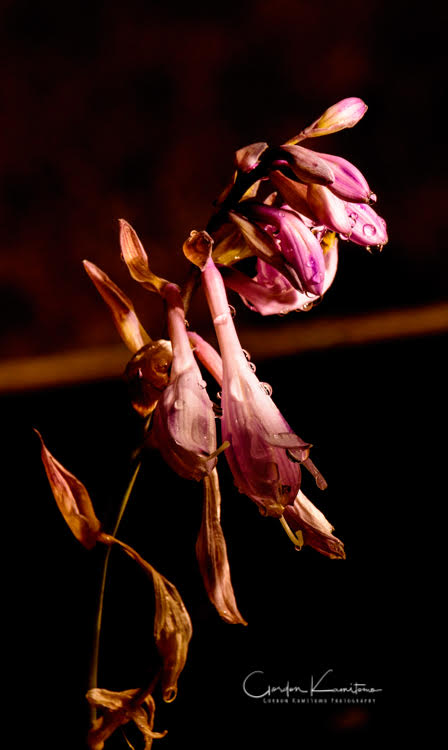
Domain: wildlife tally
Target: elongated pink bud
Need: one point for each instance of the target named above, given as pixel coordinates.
(248, 157)
(329, 209)
(349, 183)
(367, 227)
(293, 193)
(307, 165)
(343, 114)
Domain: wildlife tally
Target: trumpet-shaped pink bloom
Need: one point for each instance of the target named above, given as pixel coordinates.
(270, 293)
(264, 454)
(184, 422)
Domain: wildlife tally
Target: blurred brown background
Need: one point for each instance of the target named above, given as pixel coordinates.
(134, 110)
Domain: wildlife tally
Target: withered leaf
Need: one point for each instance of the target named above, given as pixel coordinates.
(211, 551)
(121, 307)
(72, 499)
(120, 709)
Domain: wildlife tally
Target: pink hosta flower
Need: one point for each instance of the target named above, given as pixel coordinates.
(297, 244)
(264, 452)
(303, 516)
(184, 422)
(270, 293)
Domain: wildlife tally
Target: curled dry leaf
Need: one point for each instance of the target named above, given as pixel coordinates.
(172, 624)
(121, 307)
(119, 709)
(211, 552)
(72, 499)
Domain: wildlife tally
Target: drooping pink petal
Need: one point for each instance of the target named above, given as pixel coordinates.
(317, 531)
(211, 551)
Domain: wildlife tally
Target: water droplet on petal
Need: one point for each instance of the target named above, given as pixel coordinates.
(246, 354)
(178, 404)
(369, 230)
(307, 306)
(202, 384)
(267, 388)
(252, 366)
(220, 319)
(187, 325)
(219, 395)
(373, 198)
(232, 311)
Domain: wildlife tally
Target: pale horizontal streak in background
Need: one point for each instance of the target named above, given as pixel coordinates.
(283, 339)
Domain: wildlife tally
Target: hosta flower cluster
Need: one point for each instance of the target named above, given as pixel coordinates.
(286, 207)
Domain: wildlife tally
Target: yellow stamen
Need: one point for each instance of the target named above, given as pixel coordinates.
(297, 538)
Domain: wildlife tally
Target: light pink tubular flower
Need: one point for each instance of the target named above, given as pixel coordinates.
(264, 453)
(270, 293)
(184, 422)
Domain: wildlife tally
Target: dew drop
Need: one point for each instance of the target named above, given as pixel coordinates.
(232, 311)
(369, 230)
(179, 404)
(219, 395)
(187, 325)
(246, 354)
(307, 306)
(267, 388)
(220, 319)
(252, 366)
(202, 384)
(373, 198)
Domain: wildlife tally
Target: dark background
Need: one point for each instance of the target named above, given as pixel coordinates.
(135, 110)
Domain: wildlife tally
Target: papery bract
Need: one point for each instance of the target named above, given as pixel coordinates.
(121, 307)
(259, 436)
(184, 423)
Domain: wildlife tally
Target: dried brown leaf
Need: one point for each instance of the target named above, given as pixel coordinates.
(121, 307)
(119, 709)
(211, 551)
(72, 499)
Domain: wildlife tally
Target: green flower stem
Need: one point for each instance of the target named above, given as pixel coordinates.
(93, 676)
